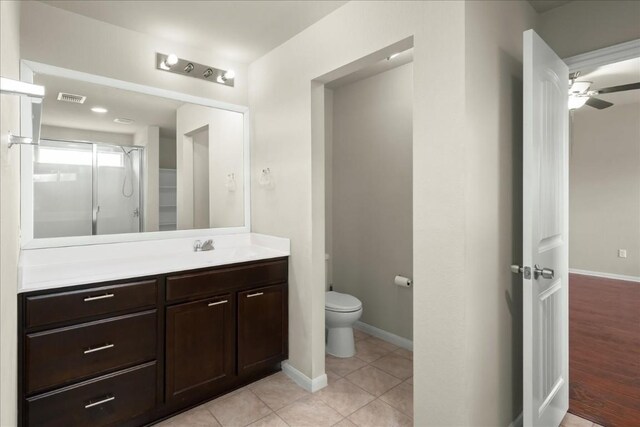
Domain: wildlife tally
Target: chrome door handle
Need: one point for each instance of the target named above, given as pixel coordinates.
(104, 347)
(105, 296)
(546, 273)
(99, 402)
(217, 303)
(257, 294)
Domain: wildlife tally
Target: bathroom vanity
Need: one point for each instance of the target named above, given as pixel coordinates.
(141, 347)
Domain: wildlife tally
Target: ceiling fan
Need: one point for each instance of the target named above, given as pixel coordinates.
(579, 93)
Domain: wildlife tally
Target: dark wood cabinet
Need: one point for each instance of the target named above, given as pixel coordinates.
(262, 319)
(61, 356)
(130, 352)
(200, 342)
(105, 401)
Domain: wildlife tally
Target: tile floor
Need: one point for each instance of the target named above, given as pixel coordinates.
(374, 388)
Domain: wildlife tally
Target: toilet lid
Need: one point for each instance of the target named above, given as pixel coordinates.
(335, 301)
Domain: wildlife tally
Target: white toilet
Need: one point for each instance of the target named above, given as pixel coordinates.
(341, 311)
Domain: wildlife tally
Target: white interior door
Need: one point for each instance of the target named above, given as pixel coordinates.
(545, 235)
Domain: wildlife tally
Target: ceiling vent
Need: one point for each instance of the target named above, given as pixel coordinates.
(123, 121)
(70, 97)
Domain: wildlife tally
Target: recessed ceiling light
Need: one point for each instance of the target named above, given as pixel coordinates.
(123, 120)
(100, 110)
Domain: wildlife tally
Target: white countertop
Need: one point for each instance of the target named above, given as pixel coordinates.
(51, 268)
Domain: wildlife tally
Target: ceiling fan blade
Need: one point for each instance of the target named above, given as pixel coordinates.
(612, 89)
(598, 103)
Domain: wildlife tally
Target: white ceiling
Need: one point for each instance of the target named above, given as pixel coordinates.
(237, 30)
(146, 110)
(619, 73)
(542, 6)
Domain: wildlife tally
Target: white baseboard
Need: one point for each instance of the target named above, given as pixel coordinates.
(517, 422)
(311, 385)
(605, 275)
(384, 335)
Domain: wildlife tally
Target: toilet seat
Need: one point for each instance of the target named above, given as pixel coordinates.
(341, 303)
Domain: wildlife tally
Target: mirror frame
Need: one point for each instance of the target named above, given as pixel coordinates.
(27, 240)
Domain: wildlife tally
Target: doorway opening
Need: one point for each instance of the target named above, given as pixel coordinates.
(368, 233)
(604, 242)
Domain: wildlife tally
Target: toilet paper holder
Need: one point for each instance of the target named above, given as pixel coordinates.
(403, 281)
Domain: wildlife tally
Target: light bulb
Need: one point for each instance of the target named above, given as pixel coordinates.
(100, 110)
(229, 74)
(172, 59)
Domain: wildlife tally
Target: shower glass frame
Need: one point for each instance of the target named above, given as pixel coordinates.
(95, 178)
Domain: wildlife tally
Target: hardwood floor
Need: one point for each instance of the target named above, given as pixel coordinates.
(604, 350)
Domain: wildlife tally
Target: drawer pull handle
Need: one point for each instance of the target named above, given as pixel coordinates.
(217, 303)
(104, 347)
(99, 402)
(105, 296)
(257, 294)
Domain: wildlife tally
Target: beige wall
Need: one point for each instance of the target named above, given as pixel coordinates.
(9, 212)
(604, 190)
(586, 25)
(493, 224)
(54, 36)
(372, 196)
(288, 137)
(464, 331)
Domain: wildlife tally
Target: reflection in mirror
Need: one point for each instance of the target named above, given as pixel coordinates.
(114, 161)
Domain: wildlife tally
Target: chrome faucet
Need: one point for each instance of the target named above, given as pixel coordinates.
(198, 246)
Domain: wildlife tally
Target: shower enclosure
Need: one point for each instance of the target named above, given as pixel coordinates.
(86, 188)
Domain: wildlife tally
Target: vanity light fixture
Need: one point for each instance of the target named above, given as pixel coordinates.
(228, 75)
(173, 64)
(171, 60)
(99, 110)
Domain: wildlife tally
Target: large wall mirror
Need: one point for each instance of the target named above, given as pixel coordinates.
(121, 162)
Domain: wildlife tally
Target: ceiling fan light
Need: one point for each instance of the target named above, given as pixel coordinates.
(576, 102)
(580, 87)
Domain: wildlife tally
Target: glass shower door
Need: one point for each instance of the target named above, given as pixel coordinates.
(62, 189)
(117, 195)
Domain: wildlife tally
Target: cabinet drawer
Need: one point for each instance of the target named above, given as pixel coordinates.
(104, 401)
(214, 281)
(73, 305)
(60, 356)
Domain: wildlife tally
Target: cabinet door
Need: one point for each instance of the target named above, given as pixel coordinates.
(200, 345)
(262, 327)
